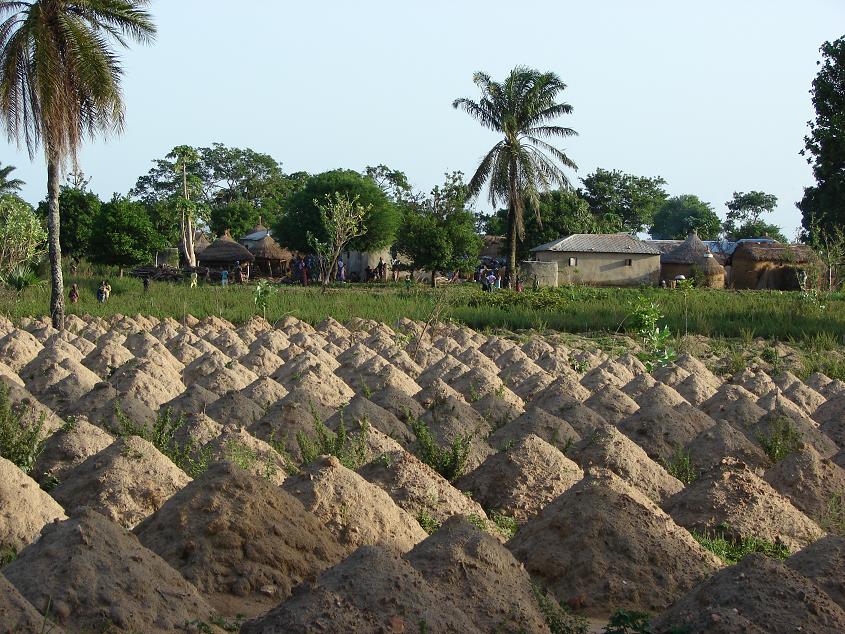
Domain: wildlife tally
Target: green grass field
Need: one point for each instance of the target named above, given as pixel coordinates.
(784, 316)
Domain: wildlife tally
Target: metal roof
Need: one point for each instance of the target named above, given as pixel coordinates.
(257, 235)
(599, 243)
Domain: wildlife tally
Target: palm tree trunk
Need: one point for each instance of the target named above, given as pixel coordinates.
(512, 262)
(57, 293)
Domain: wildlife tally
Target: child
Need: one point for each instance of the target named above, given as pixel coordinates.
(101, 293)
(224, 278)
(106, 290)
(74, 293)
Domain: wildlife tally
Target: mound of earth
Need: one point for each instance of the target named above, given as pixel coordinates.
(695, 389)
(565, 391)
(660, 395)
(612, 404)
(604, 545)
(772, 426)
(809, 481)
(831, 411)
(240, 540)
(822, 562)
(126, 482)
(18, 615)
(24, 508)
(105, 360)
(29, 409)
(699, 369)
(661, 430)
(372, 590)
(262, 362)
(452, 419)
(69, 447)
(496, 410)
(235, 408)
(521, 480)
(252, 454)
(639, 385)
(723, 440)
(804, 397)
(93, 576)
(18, 348)
(361, 409)
(670, 374)
(417, 488)
(555, 431)
(194, 400)
(580, 417)
(481, 576)
(757, 595)
(398, 403)
(355, 511)
(264, 391)
(609, 448)
(601, 378)
(436, 392)
(732, 500)
(286, 418)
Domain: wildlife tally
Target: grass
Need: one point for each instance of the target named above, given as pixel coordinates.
(20, 443)
(733, 551)
(781, 440)
(505, 523)
(428, 522)
(351, 451)
(451, 462)
(711, 312)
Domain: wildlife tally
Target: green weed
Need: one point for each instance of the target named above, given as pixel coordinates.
(507, 525)
(628, 622)
(20, 443)
(451, 462)
(351, 451)
(733, 551)
(680, 465)
(781, 440)
(833, 518)
(559, 619)
(427, 521)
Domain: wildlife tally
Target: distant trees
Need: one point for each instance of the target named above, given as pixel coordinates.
(22, 235)
(78, 211)
(744, 218)
(524, 163)
(9, 185)
(823, 205)
(301, 213)
(681, 214)
(438, 231)
(633, 199)
(123, 234)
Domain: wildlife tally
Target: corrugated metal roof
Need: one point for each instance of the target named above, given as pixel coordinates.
(257, 235)
(599, 243)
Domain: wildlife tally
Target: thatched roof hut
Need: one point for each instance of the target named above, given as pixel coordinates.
(770, 266)
(269, 256)
(708, 273)
(492, 247)
(692, 259)
(224, 252)
(201, 243)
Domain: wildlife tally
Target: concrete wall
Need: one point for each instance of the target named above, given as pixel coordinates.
(357, 261)
(605, 269)
(545, 273)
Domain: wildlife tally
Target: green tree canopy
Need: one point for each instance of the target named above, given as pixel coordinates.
(524, 162)
(745, 211)
(823, 205)
(124, 235)
(438, 232)
(78, 211)
(758, 229)
(681, 214)
(633, 199)
(301, 215)
(22, 235)
(238, 216)
(9, 185)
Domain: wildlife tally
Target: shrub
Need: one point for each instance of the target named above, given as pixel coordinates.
(351, 451)
(628, 622)
(732, 551)
(20, 277)
(451, 462)
(680, 465)
(427, 521)
(249, 459)
(20, 443)
(506, 524)
(782, 439)
(559, 619)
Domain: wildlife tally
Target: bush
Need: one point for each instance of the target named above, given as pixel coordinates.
(559, 619)
(782, 439)
(427, 521)
(628, 622)
(450, 463)
(351, 451)
(20, 277)
(680, 465)
(20, 443)
(732, 551)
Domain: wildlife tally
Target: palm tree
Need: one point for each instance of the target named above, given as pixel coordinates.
(9, 185)
(522, 164)
(60, 81)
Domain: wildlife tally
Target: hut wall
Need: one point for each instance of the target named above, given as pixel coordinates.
(746, 273)
(604, 269)
(669, 272)
(544, 272)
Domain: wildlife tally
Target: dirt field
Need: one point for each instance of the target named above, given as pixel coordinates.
(475, 483)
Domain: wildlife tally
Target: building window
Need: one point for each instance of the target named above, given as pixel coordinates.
(629, 262)
(573, 261)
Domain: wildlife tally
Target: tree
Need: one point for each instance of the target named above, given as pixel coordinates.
(523, 163)
(60, 81)
(342, 218)
(182, 157)
(682, 214)
(633, 199)
(22, 236)
(238, 216)
(759, 229)
(123, 234)
(438, 232)
(9, 185)
(745, 212)
(823, 205)
(301, 214)
(78, 211)
(393, 183)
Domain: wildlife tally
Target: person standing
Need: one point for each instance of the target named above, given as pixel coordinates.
(146, 284)
(74, 294)
(341, 270)
(394, 268)
(381, 269)
(194, 279)
(224, 278)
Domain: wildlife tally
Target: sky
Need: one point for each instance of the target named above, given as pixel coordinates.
(712, 96)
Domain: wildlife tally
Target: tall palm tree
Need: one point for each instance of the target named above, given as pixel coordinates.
(60, 81)
(9, 185)
(522, 164)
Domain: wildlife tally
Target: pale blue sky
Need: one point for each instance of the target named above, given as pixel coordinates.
(713, 96)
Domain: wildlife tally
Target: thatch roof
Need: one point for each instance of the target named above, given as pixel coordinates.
(709, 266)
(201, 243)
(269, 249)
(690, 251)
(492, 246)
(224, 250)
(777, 253)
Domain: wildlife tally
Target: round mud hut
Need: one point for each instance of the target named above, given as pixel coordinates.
(771, 266)
(683, 259)
(270, 258)
(224, 253)
(708, 273)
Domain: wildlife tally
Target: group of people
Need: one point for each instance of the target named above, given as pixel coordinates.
(492, 277)
(378, 273)
(103, 292)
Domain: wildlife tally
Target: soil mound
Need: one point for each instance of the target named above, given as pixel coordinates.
(355, 511)
(231, 378)
(372, 590)
(670, 374)
(452, 419)
(398, 403)
(264, 391)
(758, 383)
(496, 410)
(18, 615)
(757, 595)
(822, 562)
(29, 408)
(361, 410)
(235, 408)
(601, 377)
(93, 576)
(661, 431)
(723, 440)
(732, 500)
(249, 453)
(609, 448)
(809, 481)
(69, 447)
(661, 395)
(240, 540)
(554, 430)
(417, 488)
(295, 413)
(262, 362)
(126, 482)
(481, 576)
(695, 389)
(734, 404)
(831, 411)
(605, 545)
(639, 385)
(563, 392)
(521, 480)
(612, 404)
(194, 400)
(437, 391)
(105, 360)
(804, 397)
(773, 424)
(24, 508)
(581, 418)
